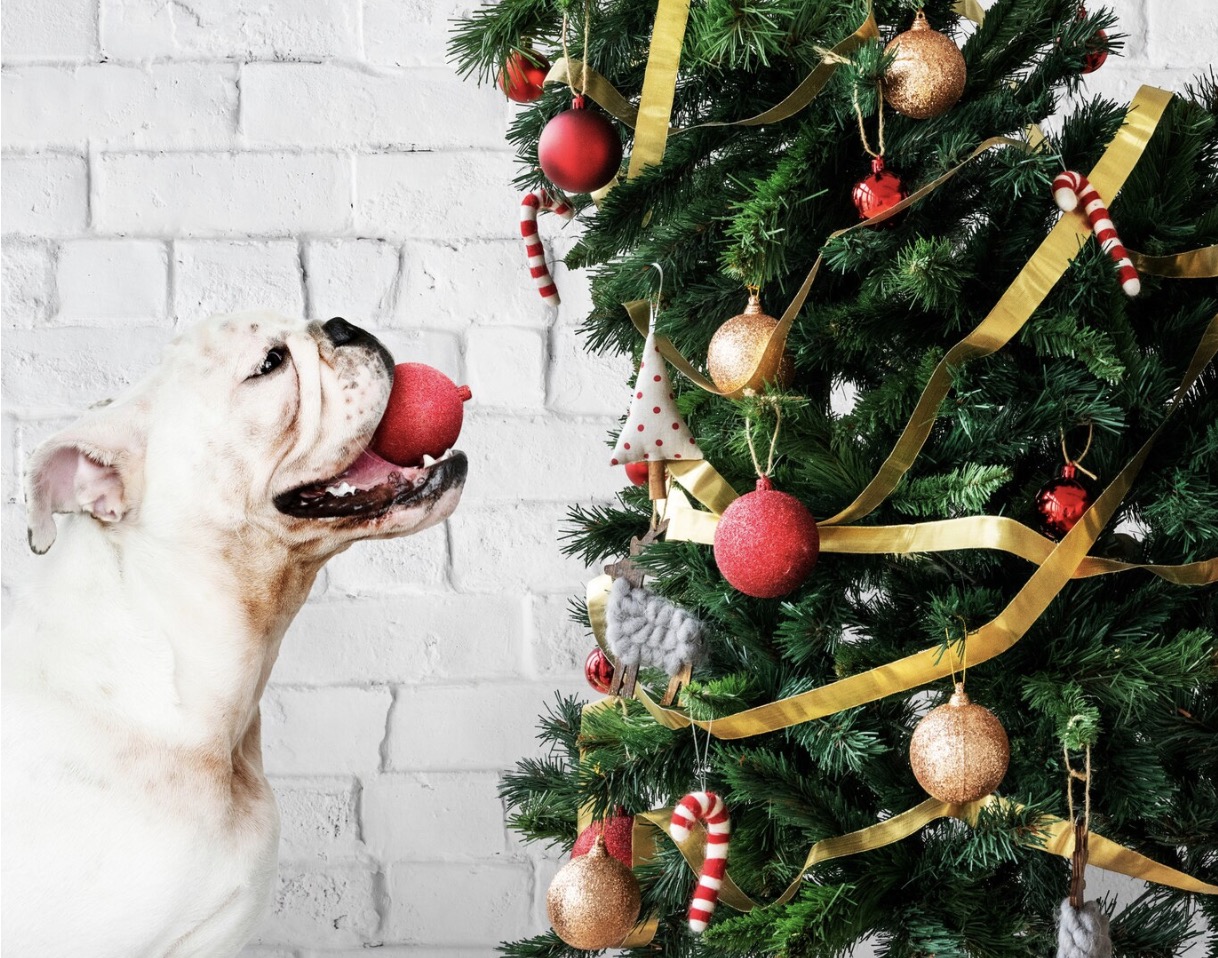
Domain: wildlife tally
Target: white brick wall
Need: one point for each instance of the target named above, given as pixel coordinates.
(167, 160)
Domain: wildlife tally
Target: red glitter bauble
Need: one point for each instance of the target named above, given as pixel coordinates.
(1097, 52)
(579, 149)
(423, 416)
(636, 472)
(1062, 502)
(523, 75)
(619, 837)
(875, 193)
(598, 670)
(766, 542)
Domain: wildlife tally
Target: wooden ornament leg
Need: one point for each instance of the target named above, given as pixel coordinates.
(675, 683)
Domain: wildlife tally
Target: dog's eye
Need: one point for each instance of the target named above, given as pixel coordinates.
(273, 360)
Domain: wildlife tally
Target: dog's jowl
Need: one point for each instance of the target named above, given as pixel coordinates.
(182, 526)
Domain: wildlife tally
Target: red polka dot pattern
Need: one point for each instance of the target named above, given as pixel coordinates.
(654, 421)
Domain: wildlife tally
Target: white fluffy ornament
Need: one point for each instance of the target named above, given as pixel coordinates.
(643, 628)
(1083, 932)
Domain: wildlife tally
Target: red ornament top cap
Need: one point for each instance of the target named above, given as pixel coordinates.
(1068, 471)
(877, 165)
(579, 102)
(764, 484)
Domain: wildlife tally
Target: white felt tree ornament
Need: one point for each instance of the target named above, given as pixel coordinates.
(654, 430)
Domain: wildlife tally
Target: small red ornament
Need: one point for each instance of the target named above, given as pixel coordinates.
(619, 837)
(598, 670)
(1062, 502)
(636, 472)
(423, 416)
(523, 75)
(766, 542)
(579, 150)
(1097, 52)
(875, 193)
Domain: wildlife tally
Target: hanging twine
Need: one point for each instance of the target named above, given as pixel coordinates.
(858, 112)
(583, 63)
(1082, 826)
(1077, 462)
(963, 654)
(748, 435)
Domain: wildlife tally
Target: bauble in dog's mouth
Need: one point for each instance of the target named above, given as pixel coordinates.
(371, 486)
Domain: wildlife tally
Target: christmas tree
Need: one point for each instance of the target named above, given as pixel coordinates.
(959, 363)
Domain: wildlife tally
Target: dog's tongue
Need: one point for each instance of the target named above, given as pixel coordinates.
(369, 469)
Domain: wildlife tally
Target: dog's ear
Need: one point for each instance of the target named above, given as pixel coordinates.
(93, 466)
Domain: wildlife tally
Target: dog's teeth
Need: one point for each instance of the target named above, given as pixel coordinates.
(342, 489)
(428, 460)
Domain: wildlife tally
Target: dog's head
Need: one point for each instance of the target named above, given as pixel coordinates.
(254, 428)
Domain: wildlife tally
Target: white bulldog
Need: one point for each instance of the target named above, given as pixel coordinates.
(137, 820)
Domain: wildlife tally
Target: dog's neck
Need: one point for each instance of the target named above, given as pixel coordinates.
(193, 634)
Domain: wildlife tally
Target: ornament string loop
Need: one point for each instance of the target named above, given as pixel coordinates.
(1081, 823)
(1077, 462)
(879, 109)
(962, 654)
(748, 435)
(583, 62)
(655, 300)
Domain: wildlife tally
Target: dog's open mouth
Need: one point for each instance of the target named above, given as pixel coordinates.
(371, 486)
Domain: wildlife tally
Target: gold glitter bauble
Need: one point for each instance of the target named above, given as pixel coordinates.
(739, 344)
(959, 751)
(594, 900)
(927, 77)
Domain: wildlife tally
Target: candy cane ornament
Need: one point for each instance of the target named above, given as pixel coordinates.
(1069, 190)
(708, 808)
(529, 206)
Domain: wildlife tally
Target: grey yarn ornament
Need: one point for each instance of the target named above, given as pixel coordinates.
(1083, 932)
(644, 629)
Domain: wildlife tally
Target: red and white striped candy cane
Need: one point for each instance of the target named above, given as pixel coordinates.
(709, 808)
(1069, 190)
(532, 202)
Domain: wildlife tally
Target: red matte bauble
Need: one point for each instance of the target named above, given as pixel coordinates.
(423, 416)
(579, 149)
(766, 542)
(619, 837)
(598, 670)
(1097, 52)
(1062, 502)
(523, 75)
(636, 472)
(875, 193)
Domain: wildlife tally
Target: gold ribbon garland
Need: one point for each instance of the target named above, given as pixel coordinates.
(1052, 835)
(998, 533)
(987, 642)
(1194, 264)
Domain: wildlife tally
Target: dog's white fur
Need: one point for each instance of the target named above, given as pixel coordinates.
(137, 822)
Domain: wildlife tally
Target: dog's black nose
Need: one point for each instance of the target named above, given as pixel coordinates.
(340, 332)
